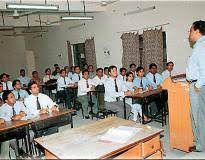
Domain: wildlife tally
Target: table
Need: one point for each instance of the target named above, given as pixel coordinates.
(83, 142)
(144, 97)
(14, 129)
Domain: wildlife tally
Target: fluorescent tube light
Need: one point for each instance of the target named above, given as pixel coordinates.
(77, 18)
(31, 6)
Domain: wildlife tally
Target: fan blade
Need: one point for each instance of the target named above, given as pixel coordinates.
(27, 13)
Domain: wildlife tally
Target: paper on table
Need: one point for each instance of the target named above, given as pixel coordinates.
(120, 135)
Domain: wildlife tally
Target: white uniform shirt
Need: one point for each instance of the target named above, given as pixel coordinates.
(76, 77)
(110, 92)
(47, 78)
(61, 84)
(158, 78)
(22, 93)
(6, 111)
(9, 84)
(44, 100)
(24, 80)
(122, 78)
(82, 87)
(97, 81)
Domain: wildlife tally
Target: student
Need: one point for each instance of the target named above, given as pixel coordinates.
(98, 79)
(55, 70)
(13, 110)
(38, 103)
(71, 72)
(85, 66)
(77, 76)
(57, 73)
(106, 73)
(66, 68)
(1, 93)
(122, 75)
(133, 68)
(114, 89)
(91, 72)
(169, 70)
(84, 86)
(36, 78)
(154, 77)
(23, 78)
(62, 87)
(19, 93)
(7, 84)
(48, 75)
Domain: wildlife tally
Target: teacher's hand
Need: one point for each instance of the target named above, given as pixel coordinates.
(196, 89)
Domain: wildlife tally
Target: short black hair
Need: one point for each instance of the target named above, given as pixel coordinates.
(62, 70)
(111, 68)
(34, 72)
(106, 68)
(170, 62)
(5, 95)
(200, 25)
(139, 68)
(85, 70)
(15, 81)
(55, 65)
(3, 74)
(132, 65)
(128, 73)
(22, 70)
(30, 84)
(76, 67)
(90, 66)
(46, 70)
(123, 69)
(152, 65)
(98, 69)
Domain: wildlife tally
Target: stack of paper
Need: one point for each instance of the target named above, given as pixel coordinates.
(120, 135)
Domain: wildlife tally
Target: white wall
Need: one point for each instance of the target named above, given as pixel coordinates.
(104, 28)
(12, 55)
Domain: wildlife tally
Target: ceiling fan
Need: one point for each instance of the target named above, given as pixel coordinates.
(103, 3)
(17, 15)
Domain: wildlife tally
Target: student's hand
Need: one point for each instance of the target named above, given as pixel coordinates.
(138, 90)
(128, 93)
(196, 89)
(44, 111)
(54, 109)
(159, 87)
(150, 88)
(2, 121)
(22, 114)
(16, 117)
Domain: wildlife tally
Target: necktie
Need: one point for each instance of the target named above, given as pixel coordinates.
(64, 81)
(123, 78)
(116, 89)
(19, 95)
(14, 112)
(169, 73)
(154, 78)
(38, 104)
(141, 84)
(7, 88)
(49, 77)
(79, 77)
(87, 84)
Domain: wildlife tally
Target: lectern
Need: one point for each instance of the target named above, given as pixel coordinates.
(180, 128)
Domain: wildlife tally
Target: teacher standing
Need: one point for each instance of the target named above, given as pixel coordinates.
(195, 74)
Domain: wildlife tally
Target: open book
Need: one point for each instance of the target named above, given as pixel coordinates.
(120, 134)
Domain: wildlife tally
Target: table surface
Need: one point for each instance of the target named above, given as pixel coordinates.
(84, 142)
(146, 93)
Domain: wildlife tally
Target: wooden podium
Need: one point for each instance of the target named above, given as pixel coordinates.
(180, 128)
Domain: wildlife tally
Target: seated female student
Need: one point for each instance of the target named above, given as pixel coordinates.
(136, 108)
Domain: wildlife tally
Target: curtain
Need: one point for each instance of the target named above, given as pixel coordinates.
(130, 45)
(70, 57)
(153, 49)
(90, 55)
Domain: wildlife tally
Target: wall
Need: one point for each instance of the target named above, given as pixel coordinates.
(104, 28)
(12, 55)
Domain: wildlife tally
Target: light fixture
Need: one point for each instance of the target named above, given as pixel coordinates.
(31, 6)
(140, 10)
(77, 18)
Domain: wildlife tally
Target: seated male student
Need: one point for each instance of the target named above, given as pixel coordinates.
(84, 86)
(122, 75)
(23, 78)
(63, 83)
(105, 73)
(58, 73)
(133, 68)
(48, 75)
(38, 103)
(1, 93)
(169, 70)
(7, 84)
(13, 110)
(55, 69)
(77, 76)
(19, 93)
(114, 89)
(91, 72)
(154, 77)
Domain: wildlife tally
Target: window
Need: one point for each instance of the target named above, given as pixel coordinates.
(79, 54)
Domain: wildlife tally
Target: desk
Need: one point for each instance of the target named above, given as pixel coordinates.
(144, 97)
(83, 142)
(14, 129)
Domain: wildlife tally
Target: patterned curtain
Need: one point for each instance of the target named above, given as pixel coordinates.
(90, 55)
(70, 57)
(131, 54)
(153, 49)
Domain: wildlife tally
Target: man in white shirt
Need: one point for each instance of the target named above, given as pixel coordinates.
(122, 75)
(23, 78)
(1, 93)
(48, 75)
(133, 69)
(154, 77)
(98, 79)
(106, 74)
(77, 76)
(7, 84)
(84, 86)
(19, 93)
(114, 89)
(168, 72)
(63, 83)
(91, 72)
(38, 103)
